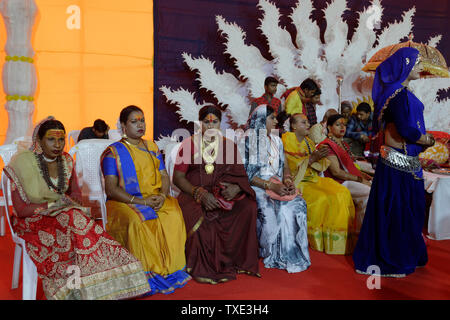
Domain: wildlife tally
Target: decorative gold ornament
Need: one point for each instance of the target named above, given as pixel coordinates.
(367, 100)
(209, 154)
(209, 168)
(433, 61)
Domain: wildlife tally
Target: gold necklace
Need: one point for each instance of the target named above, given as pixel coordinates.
(132, 144)
(209, 154)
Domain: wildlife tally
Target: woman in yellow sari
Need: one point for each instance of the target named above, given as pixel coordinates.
(141, 215)
(331, 213)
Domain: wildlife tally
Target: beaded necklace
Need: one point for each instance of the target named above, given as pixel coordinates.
(43, 167)
(343, 146)
(308, 146)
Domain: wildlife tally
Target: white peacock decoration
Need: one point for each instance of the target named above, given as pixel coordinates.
(308, 57)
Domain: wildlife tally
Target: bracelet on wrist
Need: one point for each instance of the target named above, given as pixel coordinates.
(132, 198)
(199, 193)
(194, 191)
(202, 194)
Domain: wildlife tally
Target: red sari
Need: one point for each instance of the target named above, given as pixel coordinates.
(220, 243)
(60, 234)
(346, 161)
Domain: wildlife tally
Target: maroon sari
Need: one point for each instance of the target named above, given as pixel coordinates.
(220, 243)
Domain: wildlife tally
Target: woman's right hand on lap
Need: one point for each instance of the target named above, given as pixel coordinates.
(210, 202)
(279, 189)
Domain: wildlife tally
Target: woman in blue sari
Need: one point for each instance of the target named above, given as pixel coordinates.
(391, 234)
(281, 223)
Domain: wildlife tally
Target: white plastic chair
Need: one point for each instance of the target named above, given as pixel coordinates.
(87, 167)
(6, 153)
(171, 157)
(29, 270)
(23, 142)
(74, 135)
(114, 134)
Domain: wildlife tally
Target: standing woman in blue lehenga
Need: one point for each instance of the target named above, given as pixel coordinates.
(391, 234)
(281, 222)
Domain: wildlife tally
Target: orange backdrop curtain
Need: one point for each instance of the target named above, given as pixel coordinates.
(93, 57)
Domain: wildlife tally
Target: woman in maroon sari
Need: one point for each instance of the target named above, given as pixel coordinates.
(218, 205)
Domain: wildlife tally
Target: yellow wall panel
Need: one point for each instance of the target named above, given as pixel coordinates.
(93, 71)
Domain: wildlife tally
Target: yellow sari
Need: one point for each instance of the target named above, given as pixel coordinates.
(331, 212)
(158, 243)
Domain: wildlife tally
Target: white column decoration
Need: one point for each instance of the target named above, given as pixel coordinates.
(19, 72)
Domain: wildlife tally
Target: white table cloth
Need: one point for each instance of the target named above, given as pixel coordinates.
(439, 217)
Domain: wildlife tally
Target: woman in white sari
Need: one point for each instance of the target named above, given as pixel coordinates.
(281, 224)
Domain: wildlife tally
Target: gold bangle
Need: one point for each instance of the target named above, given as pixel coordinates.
(132, 198)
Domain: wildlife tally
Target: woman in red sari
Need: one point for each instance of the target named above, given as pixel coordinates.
(343, 168)
(218, 205)
(59, 232)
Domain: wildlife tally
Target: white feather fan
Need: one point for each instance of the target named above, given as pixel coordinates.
(185, 101)
(224, 86)
(394, 32)
(434, 41)
(335, 36)
(280, 46)
(308, 57)
(247, 59)
(436, 113)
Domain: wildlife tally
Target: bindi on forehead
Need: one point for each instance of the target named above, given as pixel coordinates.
(137, 118)
(211, 118)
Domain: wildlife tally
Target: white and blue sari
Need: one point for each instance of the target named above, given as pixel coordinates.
(281, 225)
